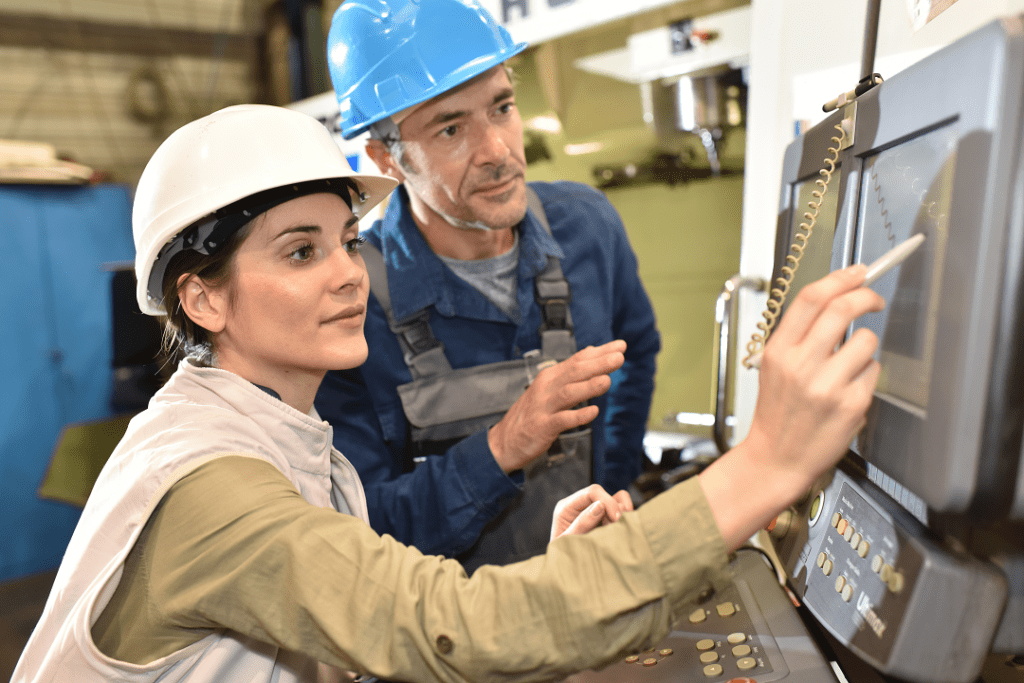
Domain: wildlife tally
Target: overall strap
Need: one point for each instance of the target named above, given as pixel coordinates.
(553, 295)
(422, 351)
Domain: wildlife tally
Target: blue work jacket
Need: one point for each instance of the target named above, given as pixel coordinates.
(442, 505)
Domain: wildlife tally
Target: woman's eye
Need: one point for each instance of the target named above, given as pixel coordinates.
(352, 246)
(302, 253)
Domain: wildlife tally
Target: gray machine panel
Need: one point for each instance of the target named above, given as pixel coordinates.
(870, 573)
(774, 643)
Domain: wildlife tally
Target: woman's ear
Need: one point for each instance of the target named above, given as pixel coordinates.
(204, 305)
(386, 163)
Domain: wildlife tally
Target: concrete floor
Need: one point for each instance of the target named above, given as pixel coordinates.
(21, 603)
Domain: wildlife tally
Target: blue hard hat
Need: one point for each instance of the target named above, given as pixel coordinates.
(387, 55)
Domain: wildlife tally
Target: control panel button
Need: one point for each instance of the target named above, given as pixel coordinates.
(876, 563)
(746, 663)
(827, 567)
(820, 559)
(863, 548)
(632, 659)
(665, 652)
(741, 650)
(886, 572)
(847, 592)
(855, 541)
(650, 661)
(848, 532)
(835, 519)
(712, 670)
(705, 644)
(842, 526)
(840, 583)
(709, 657)
(726, 609)
(895, 581)
(697, 616)
(737, 638)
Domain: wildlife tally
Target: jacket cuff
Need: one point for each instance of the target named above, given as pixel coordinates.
(686, 543)
(481, 476)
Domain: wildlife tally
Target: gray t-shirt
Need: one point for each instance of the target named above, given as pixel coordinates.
(495, 277)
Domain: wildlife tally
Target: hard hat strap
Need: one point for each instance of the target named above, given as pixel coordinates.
(211, 232)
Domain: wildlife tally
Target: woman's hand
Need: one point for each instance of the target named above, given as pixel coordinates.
(812, 401)
(588, 509)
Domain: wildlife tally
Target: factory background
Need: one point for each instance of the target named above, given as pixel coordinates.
(678, 111)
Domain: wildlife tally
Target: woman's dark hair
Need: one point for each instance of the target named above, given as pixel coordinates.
(182, 336)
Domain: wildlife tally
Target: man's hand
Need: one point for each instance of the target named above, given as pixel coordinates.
(588, 509)
(545, 410)
(811, 402)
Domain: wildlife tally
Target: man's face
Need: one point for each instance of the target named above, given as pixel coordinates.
(463, 154)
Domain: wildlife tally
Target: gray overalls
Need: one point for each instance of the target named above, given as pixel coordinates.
(443, 406)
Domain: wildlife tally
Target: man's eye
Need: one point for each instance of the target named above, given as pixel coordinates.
(506, 108)
(352, 246)
(449, 131)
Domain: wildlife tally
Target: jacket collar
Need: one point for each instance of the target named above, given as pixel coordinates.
(417, 278)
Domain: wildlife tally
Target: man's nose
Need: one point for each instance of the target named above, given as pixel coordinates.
(492, 148)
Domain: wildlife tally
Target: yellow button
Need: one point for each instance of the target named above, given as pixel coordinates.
(820, 560)
(712, 670)
(827, 567)
(841, 527)
(632, 658)
(741, 650)
(876, 563)
(835, 519)
(726, 609)
(886, 572)
(697, 616)
(708, 657)
(895, 582)
(863, 548)
(650, 661)
(737, 638)
(855, 541)
(840, 582)
(746, 663)
(848, 533)
(847, 592)
(705, 644)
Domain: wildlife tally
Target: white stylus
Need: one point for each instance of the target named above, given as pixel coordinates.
(883, 265)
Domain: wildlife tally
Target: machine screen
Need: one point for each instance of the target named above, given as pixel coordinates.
(905, 190)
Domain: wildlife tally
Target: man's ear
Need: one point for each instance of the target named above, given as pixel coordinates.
(204, 305)
(386, 163)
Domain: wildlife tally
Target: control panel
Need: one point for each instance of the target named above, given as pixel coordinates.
(748, 632)
(873, 575)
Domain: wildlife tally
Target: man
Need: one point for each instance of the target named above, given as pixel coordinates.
(476, 298)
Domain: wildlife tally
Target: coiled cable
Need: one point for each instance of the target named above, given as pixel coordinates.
(778, 294)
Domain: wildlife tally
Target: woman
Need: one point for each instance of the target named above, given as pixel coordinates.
(212, 549)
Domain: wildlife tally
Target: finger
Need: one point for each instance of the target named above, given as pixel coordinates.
(813, 298)
(850, 360)
(581, 369)
(570, 419)
(624, 500)
(589, 519)
(833, 322)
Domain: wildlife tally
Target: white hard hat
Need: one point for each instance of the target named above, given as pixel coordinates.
(224, 158)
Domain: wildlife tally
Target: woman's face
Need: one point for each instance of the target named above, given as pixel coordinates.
(296, 299)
